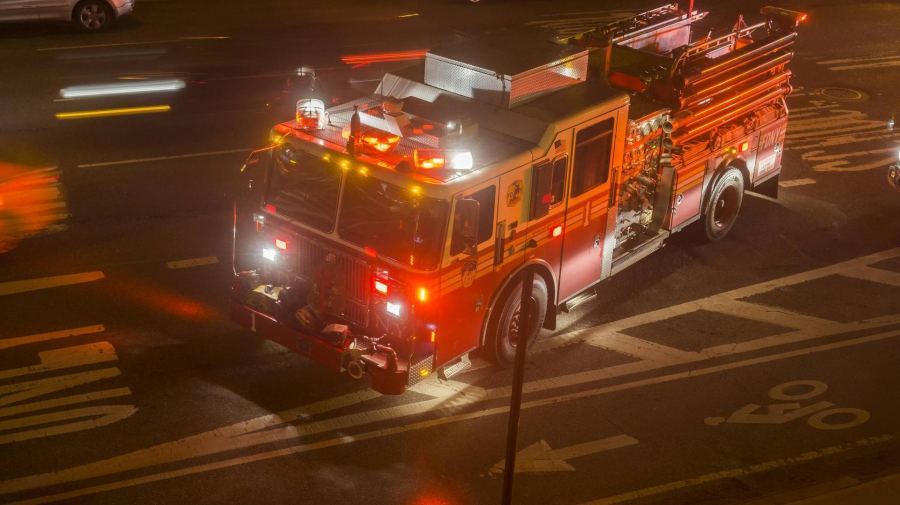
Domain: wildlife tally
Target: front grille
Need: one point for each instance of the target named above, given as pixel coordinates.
(311, 256)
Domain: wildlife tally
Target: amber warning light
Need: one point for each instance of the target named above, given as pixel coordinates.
(452, 159)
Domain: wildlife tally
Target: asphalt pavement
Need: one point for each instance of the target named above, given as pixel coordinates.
(759, 369)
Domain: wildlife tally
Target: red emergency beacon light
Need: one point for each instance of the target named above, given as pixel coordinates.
(311, 114)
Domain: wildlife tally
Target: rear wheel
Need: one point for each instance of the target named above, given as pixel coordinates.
(504, 333)
(724, 204)
(93, 15)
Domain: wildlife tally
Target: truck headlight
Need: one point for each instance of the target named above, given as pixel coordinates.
(393, 309)
(269, 254)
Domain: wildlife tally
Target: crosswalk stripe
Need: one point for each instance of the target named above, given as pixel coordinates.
(43, 337)
(11, 288)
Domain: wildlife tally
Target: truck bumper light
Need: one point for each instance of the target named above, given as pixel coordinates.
(269, 254)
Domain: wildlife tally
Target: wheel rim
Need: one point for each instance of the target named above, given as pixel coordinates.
(92, 16)
(726, 206)
(515, 322)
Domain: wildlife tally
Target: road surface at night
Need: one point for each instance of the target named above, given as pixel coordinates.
(763, 368)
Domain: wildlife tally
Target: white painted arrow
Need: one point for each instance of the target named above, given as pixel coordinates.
(540, 458)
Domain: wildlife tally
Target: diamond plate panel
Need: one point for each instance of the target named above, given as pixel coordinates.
(415, 371)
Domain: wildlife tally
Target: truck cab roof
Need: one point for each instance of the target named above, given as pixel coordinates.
(498, 137)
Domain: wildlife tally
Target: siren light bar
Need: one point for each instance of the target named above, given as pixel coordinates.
(435, 159)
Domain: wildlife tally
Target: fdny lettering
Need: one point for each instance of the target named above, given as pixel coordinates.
(769, 139)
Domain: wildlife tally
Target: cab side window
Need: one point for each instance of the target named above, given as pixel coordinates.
(593, 147)
(548, 186)
(558, 185)
(485, 198)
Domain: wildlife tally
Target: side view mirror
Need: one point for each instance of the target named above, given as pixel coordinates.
(252, 172)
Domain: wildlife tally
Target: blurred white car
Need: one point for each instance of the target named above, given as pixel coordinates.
(89, 15)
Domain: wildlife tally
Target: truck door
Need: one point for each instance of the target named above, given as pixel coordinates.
(466, 279)
(588, 204)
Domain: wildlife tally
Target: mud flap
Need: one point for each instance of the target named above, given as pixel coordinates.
(769, 187)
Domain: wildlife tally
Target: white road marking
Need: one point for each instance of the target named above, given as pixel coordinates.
(741, 472)
(781, 413)
(137, 459)
(14, 287)
(61, 402)
(827, 126)
(852, 60)
(796, 182)
(207, 260)
(875, 275)
(6, 343)
(163, 158)
(863, 66)
(539, 457)
(97, 415)
(450, 395)
(642, 349)
(67, 357)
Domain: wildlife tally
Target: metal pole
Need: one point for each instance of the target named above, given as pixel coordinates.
(525, 321)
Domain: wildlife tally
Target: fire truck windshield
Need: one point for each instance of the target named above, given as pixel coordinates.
(393, 221)
(305, 187)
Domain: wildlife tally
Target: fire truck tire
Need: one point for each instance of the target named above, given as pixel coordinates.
(502, 334)
(724, 205)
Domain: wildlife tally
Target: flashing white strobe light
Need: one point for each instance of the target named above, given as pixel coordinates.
(393, 309)
(127, 88)
(462, 161)
(269, 254)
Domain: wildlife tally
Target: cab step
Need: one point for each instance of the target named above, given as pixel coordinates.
(579, 299)
(456, 368)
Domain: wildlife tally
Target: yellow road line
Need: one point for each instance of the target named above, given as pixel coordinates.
(11, 288)
(127, 111)
(42, 337)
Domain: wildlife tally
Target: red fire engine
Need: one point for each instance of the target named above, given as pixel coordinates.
(385, 236)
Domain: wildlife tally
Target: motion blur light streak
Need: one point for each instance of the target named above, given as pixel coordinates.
(121, 88)
(113, 112)
(365, 59)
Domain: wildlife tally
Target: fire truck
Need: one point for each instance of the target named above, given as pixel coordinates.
(386, 236)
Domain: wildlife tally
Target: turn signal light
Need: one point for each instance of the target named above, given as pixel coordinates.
(281, 244)
(423, 294)
(381, 287)
(557, 231)
(745, 146)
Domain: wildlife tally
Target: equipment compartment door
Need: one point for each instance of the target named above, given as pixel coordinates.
(588, 203)
(771, 145)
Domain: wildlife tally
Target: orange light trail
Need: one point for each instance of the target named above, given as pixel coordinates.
(366, 59)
